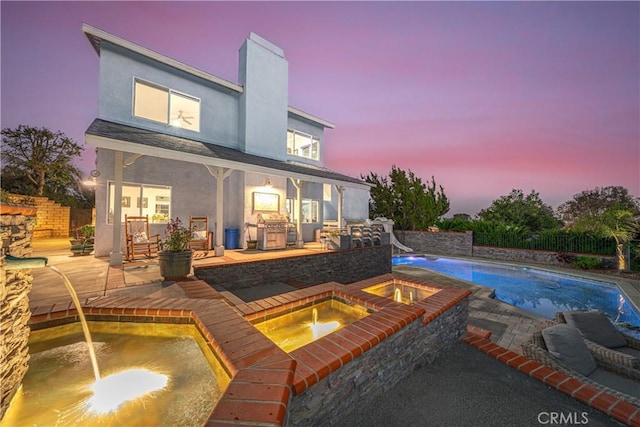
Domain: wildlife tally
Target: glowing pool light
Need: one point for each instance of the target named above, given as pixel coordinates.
(321, 329)
(112, 391)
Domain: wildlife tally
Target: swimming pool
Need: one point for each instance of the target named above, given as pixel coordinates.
(538, 291)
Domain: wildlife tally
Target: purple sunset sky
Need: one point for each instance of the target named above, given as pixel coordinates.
(485, 96)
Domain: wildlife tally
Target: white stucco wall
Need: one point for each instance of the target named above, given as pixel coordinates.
(119, 67)
(193, 192)
(254, 121)
(263, 72)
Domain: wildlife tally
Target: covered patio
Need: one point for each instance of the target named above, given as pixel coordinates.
(129, 145)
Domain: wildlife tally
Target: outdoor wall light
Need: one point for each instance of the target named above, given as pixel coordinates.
(92, 182)
(267, 183)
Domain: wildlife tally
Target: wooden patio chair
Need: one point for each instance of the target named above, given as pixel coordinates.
(138, 238)
(199, 228)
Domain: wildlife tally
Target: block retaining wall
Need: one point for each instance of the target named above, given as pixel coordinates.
(443, 242)
(52, 220)
(346, 266)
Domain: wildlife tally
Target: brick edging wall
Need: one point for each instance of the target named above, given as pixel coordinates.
(622, 411)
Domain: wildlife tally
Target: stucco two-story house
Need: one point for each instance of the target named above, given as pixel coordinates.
(175, 141)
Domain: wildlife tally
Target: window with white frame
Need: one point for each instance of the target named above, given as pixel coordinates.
(141, 200)
(303, 145)
(309, 210)
(163, 105)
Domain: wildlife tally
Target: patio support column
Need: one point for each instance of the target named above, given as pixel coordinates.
(220, 174)
(340, 190)
(115, 257)
(298, 183)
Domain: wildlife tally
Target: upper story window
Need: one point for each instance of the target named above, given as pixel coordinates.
(166, 106)
(303, 145)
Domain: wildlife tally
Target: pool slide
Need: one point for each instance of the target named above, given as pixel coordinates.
(388, 228)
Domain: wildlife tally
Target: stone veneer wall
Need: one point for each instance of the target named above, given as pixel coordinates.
(442, 242)
(456, 243)
(537, 257)
(346, 266)
(378, 369)
(16, 230)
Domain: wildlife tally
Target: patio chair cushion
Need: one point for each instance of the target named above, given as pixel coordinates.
(199, 235)
(596, 327)
(616, 382)
(140, 237)
(566, 344)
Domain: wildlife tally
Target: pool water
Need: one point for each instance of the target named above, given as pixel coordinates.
(541, 292)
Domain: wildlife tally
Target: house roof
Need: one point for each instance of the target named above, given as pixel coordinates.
(115, 136)
(96, 36)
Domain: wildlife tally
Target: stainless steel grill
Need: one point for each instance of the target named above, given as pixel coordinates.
(272, 231)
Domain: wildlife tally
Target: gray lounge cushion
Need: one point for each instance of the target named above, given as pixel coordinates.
(629, 351)
(596, 327)
(616, 382)
(566, 344)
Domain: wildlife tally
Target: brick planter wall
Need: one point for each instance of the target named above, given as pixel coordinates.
(378, 370)
(16, 229)
(345, 266)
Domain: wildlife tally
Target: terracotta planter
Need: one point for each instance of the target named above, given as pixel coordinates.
(175, 265)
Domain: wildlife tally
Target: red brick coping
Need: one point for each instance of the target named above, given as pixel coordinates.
(602, 401)
(263, 377)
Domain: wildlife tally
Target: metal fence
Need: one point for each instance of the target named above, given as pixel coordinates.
(548, 242)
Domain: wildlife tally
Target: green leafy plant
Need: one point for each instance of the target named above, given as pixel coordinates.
(177, 237)
(587, 263)
(87, 231)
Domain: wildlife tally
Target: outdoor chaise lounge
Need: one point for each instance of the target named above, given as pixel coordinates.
(562, 348)
(602, 338)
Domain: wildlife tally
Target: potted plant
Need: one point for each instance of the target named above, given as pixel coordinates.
(82, 244)
(175, 255)
(251, 244)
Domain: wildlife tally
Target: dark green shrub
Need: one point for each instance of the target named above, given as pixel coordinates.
(587, 263)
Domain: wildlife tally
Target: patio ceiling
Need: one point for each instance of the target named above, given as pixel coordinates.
(114, 136)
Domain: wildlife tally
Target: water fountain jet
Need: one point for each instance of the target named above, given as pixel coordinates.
(55, 389)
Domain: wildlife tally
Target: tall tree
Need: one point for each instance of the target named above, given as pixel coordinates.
(41, 156)
(405, 199)
(594, 203)
(528, 213)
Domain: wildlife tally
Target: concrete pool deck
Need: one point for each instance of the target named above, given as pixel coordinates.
(508, 325)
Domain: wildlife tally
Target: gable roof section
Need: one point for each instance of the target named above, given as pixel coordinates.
(114, 136)
(96, 36)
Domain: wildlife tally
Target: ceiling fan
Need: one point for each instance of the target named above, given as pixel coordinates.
(184, 118)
